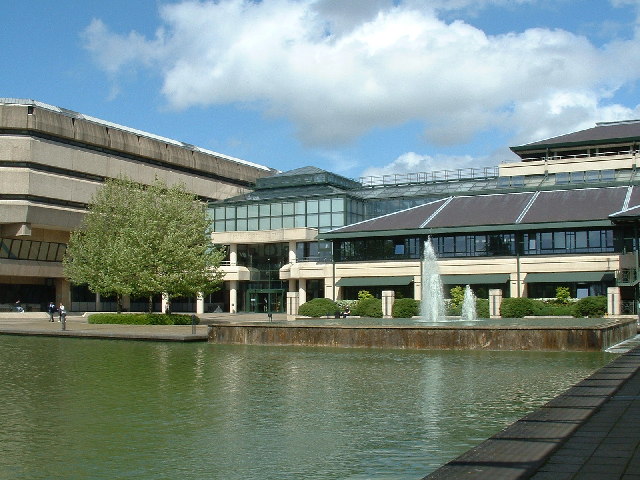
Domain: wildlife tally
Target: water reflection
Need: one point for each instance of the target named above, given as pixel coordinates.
(80, 409)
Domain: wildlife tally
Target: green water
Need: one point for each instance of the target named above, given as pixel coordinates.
(107, 409)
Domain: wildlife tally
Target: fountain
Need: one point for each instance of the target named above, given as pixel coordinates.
(432, 304)
(469, 305)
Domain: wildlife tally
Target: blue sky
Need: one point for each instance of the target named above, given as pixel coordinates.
(359, 87)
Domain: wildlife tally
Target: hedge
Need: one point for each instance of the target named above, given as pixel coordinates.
(405, 308)
(368, 307)
(590, 307)
(318, 307)
(142, 318)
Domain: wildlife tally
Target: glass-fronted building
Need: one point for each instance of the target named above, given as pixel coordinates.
(561, 216)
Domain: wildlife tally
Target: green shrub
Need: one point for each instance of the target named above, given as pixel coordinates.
(516, 307)
(368, 307)
(318, 307)
(482, 307)
(142, 319)
(551, 308)
(590, 307)
(405, 308)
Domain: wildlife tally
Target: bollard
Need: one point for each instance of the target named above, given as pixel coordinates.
(63, 321)
(193, 324)
(270, 316)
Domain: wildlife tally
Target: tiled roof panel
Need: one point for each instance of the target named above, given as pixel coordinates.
(576, 205)
(481, 210)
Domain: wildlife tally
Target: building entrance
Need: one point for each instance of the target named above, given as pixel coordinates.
(265, 300)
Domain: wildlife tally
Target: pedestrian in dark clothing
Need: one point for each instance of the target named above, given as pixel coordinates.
(51, 309)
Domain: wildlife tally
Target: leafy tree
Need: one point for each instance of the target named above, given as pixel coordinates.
(142, 240)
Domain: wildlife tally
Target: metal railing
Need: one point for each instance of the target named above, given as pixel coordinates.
(627, 277)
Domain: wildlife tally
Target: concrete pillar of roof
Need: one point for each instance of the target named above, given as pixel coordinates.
(293, 303)
(292, 251)
(517, 286)
(63, 292)
(233, 254)
(613, 301)
(126, 302)
(233, 296)
(417, 288)
(199, 303)
(165, 303)
(495, 300)
(302, 291)
(388, 298)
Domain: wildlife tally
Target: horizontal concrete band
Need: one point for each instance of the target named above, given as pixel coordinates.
(411, 337)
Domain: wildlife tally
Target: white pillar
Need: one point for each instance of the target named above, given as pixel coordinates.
(292, 251)
(233, 296)
(199, 303)
(388, 298)
(417, 288)
(292, 303)
(302, 291)
(233, 254)
(165, 303)
(613, 301)
(495, 300)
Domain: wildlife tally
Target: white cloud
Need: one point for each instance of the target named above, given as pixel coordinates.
(412, 162)
(339, 72)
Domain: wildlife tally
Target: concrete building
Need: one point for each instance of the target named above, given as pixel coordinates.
(52, 160)
(565, 215)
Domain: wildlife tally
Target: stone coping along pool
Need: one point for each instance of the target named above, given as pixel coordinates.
(502, 334)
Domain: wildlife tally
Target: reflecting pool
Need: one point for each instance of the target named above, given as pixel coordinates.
(105, 409)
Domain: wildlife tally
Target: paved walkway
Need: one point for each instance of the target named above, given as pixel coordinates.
(78, 326)
(591, 431)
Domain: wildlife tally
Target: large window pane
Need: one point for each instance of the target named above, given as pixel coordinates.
(312, 206)
(265, 210)
(5, 247)
(253, 210)
(287, 208)
(252, 224)
(337, 204)
(287, 222)
(325, 205)
(241, 211)
(276, 209)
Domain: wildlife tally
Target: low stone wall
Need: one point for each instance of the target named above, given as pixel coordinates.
(576, 338)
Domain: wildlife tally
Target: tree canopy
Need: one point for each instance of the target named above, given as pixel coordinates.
(144, 240)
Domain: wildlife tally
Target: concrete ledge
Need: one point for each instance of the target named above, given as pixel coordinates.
(574, 338)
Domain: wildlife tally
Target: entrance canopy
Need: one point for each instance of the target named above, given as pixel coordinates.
(488, 278)
(373, 281)
(569, 277)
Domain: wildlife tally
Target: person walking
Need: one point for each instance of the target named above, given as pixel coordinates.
(62, 311)
(51, 309)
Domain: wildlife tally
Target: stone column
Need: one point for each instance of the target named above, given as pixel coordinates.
(292, 304)
(613, 301)
(199, 303)
(292, 252)
(302, 291)
(63, 292)
(165, 303)
(233, 296)
(388, 298)
(495, 300)
(233, 254)
(417, 288)
(126, 302)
